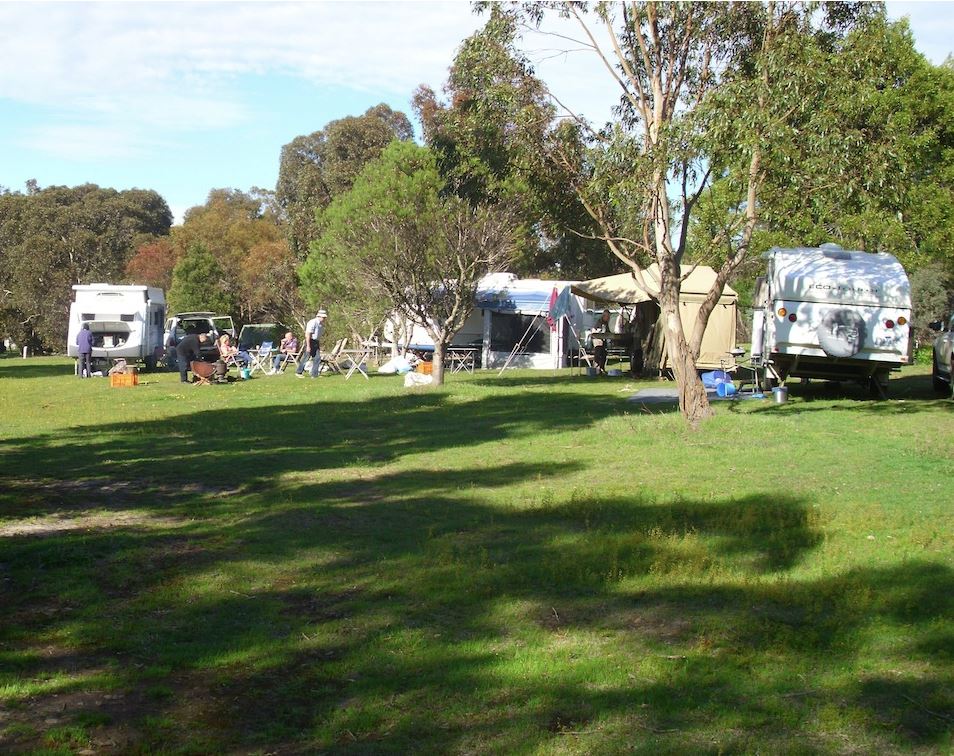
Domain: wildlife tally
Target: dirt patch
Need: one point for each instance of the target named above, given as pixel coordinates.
(55, 523)
(47, 507)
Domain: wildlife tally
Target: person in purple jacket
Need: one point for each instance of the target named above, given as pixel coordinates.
(84, 346)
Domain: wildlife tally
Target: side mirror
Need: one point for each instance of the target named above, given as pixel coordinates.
(935, 325)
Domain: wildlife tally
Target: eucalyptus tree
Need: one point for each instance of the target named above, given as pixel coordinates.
(317, 167)
(708, 91)
(400, 242)
(490, 131)
(54, 237)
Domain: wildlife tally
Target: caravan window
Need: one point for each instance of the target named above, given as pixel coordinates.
(506, 330)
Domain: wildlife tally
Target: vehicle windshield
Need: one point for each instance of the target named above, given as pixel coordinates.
(224, 324)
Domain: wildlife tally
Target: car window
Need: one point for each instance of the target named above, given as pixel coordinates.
(224, 325)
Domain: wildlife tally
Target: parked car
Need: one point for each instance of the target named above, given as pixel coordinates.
(187, 323)
(943, 358)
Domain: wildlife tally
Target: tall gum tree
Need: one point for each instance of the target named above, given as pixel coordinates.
(657, 161)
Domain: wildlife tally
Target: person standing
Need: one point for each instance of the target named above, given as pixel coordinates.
(313, 331)
(600, 336)
(84, 347)
(187, 350)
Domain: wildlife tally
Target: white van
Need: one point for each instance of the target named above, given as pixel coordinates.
(126, 322)
(832, 313)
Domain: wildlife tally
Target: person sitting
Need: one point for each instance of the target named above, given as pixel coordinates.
(231, 354)
(287, 350)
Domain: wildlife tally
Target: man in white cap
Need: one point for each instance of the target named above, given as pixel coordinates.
(313, 331)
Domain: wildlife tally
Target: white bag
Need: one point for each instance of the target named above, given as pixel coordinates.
(417, 379)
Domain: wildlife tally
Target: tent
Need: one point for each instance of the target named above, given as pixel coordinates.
(627, 290)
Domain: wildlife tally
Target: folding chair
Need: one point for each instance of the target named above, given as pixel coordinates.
(292, 358)
(202, 373)
(261, 358)
(356, 357)
(330, 359)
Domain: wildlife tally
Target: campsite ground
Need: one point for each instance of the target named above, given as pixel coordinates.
(518, 564)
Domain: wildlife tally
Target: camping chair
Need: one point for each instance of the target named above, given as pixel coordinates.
(261, 358)
(202, 373)
(356, 360)
(330, 359)
(292, 358)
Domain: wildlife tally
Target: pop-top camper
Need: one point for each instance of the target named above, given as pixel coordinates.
(833, 314)
(126, 321)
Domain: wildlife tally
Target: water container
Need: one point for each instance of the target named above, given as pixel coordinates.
(727, 388)
(780, 394)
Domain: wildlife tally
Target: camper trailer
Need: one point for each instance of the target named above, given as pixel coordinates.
(126, 322)
(833, 314)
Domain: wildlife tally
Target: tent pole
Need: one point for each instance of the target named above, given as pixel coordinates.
(518, 345)
(582, 356)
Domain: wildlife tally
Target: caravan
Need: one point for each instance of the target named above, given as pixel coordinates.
(832, 313)
(126, 322)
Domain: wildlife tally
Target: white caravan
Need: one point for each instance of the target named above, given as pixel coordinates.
(126, 321)
(833, 314)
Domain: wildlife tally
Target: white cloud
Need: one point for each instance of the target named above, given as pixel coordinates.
(84, 142)
(70, 52)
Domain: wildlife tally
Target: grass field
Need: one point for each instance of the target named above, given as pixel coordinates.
(524, 564)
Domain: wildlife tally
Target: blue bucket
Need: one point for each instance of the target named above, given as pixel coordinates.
(246, 373)
(726, 388)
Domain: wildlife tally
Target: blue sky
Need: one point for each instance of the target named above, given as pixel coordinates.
(184, 97)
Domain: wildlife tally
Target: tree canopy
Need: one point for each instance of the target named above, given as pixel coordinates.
(319, 166)
(398, 241)
(491, 136)
(55, 237)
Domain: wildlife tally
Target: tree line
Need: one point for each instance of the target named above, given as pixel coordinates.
(739, 126)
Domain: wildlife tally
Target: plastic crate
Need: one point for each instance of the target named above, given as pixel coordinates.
(119, 380)
(425, 367)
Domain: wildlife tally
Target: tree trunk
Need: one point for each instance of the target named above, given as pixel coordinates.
(693, 402)
(437, 366)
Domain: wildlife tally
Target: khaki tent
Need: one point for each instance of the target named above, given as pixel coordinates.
(625, 289)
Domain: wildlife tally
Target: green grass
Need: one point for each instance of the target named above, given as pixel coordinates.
(523, 564)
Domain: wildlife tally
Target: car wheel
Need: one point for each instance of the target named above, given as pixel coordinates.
(940, 385)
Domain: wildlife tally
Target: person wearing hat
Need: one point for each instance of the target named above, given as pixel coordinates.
(313, 331)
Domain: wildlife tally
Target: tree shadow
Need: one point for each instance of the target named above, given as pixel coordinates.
(361, 608)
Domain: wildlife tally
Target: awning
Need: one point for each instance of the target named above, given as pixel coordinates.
(623, 288)
(619, 289)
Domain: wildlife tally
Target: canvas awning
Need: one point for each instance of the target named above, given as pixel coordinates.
(619, 289)
(624, 288)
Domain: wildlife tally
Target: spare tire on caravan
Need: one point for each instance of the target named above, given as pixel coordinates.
(833, 314)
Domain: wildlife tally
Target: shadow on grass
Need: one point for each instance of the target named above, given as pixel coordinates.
(376, 610)
(906, 394)
(216, 451)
